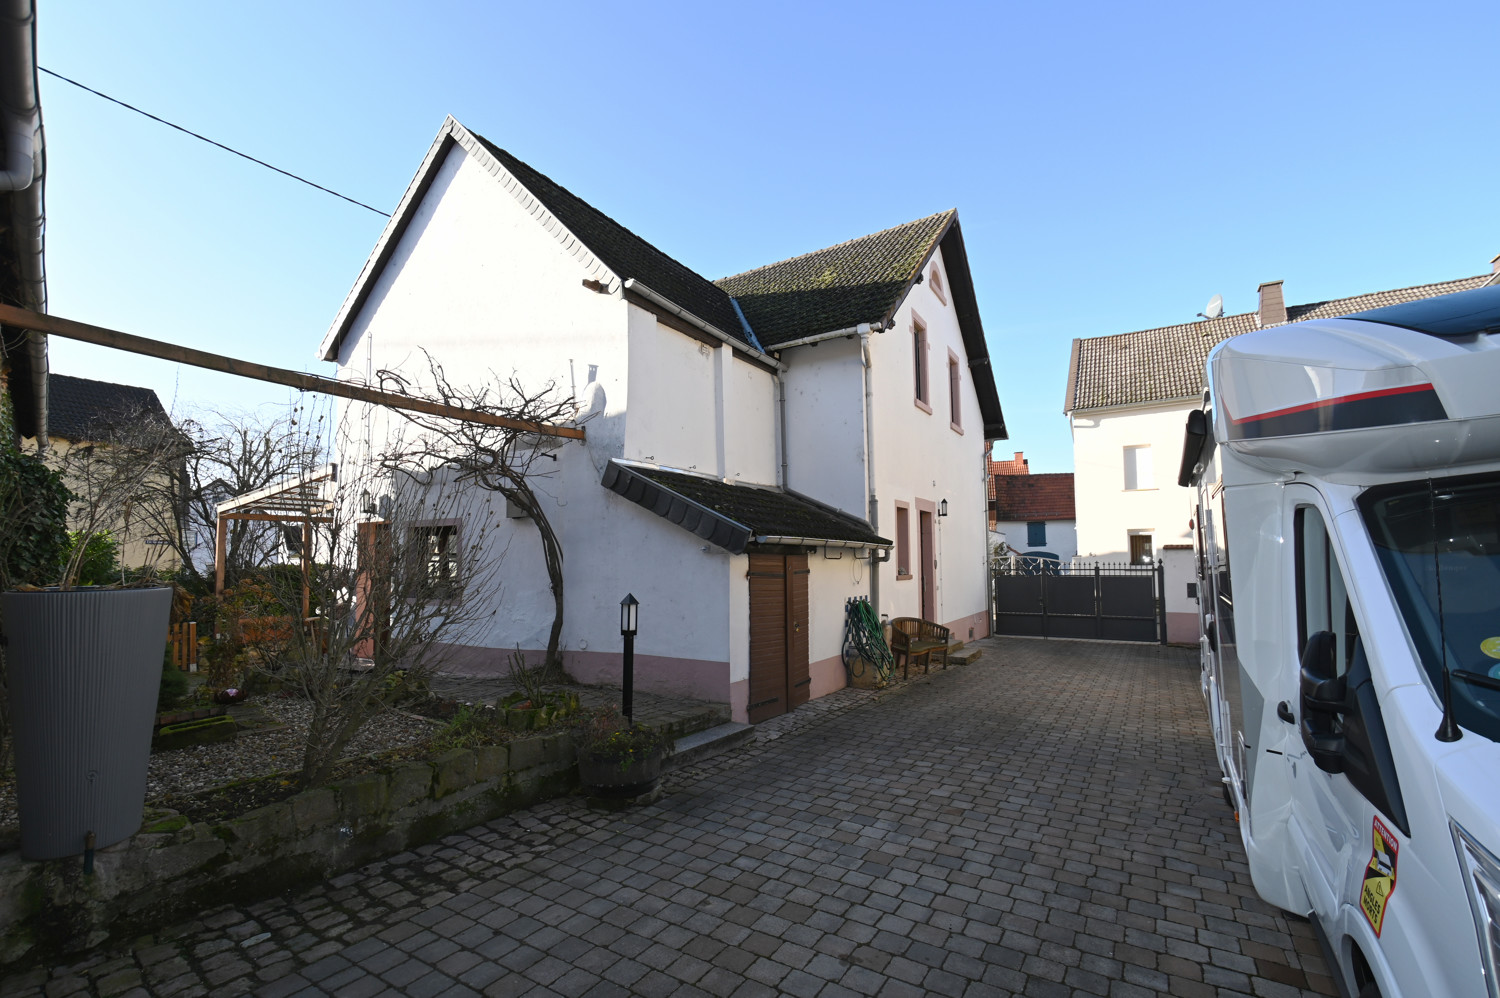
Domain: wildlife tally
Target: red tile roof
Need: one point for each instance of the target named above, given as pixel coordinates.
(1033, 497)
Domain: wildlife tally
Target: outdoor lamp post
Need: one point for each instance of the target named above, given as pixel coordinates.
(629, 607)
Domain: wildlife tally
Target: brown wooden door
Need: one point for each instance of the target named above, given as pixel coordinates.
(779, 679)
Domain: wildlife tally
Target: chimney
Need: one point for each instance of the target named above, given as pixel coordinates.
(1495, 264)
(1272, 304)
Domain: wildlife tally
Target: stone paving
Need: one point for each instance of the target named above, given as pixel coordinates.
(1044, 822)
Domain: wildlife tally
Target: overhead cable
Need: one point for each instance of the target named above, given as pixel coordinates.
(211, 142)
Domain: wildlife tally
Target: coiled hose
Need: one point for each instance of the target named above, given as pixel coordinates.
(864, 642)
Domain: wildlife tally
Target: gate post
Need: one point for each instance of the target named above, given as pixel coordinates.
(1098, 603)
(1161, 600)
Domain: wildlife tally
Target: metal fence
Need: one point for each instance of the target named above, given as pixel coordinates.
(1052, 599)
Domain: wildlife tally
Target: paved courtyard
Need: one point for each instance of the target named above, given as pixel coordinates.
(1045, 822)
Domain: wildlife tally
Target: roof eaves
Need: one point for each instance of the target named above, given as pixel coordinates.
(966, 308)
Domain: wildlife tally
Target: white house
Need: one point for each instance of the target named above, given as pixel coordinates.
(1127, 401)
(1032, 514)
(758, 449)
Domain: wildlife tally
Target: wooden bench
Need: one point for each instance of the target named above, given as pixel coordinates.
(914, 640)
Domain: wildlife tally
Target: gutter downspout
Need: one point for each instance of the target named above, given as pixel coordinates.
(24, 170)
(637, 287)
(876, 559)
(784, 481)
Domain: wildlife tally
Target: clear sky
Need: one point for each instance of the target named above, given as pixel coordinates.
(1114, 165)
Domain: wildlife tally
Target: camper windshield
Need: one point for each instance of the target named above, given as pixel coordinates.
(1443, 537)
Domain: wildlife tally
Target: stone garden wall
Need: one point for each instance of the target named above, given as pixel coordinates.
(174, 868)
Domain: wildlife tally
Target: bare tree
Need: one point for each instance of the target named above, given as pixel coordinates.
(231, 454)
(402, 576)
(501, 460)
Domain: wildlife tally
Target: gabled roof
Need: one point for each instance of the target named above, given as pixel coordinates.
(1032, 497)
(82, 410)
(733, 516)
(622, 251)
(1166, 363)
(862, 280)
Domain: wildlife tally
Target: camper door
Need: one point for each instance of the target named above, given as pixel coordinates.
(1331, 820)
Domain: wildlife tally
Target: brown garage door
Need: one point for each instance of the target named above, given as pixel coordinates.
(779, 678)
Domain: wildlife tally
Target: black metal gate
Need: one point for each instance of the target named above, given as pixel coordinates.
(1103, 602)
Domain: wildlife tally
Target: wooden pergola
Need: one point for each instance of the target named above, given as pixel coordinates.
(306, 500)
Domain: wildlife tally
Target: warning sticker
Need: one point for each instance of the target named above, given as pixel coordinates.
(1491, 647)
(1380, 875)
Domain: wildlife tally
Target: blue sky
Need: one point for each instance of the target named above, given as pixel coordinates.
(1114, 165)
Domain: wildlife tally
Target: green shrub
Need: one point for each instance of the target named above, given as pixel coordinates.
(101, 559)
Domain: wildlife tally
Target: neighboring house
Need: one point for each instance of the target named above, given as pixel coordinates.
(759, 449)
(1127, 401)
(1032, 514)
(83, 414)
(23, 355)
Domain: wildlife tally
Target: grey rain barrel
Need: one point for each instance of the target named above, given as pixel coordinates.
(85, 667)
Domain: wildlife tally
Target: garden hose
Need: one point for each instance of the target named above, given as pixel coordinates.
(864, 641)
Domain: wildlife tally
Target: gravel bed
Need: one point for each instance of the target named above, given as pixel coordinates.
(255, 753)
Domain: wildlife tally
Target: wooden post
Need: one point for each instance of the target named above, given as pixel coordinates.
(306, 577)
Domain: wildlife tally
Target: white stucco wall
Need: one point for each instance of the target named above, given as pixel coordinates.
(672, 403)
(918, 455)
(825, 406)
(1106, 511)
(1062, 537)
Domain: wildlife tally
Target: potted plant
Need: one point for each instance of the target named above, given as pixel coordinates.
(620, 761)
(84, 660)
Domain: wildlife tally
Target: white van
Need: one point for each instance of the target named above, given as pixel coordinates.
(1348, 472)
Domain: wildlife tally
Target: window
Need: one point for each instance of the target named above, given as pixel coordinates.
(1036, 534)
(935, 282)
(919, 363)
(1138, 473)
(903, 542)
(1140, 547)
(1322, 601)
(439, 549)
(955, 399)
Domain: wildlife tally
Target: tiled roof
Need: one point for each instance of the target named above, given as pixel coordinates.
(622, 251)
(862, 280)
(1156, 365)
(1033, 497)
(79, 409)
(733, 516)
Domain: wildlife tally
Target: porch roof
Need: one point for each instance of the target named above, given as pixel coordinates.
(735, 516)
(308, 497)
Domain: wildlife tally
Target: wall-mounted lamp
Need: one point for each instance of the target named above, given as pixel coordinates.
(943, 508)
(367, 504)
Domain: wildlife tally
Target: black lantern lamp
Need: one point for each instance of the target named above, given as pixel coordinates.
(629, 610)
(943, 508)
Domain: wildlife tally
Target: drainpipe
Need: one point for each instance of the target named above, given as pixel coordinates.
(784, 481)
(22, 173)
(876, 560)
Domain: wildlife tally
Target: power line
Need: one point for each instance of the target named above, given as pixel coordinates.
(211, 142)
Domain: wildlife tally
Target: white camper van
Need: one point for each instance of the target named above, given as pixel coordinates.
(1348, 475)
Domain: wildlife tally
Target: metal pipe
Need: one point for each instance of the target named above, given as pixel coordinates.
(859, 330)
(785, 481)
(821, 542)
(874, 507)
(636, 287)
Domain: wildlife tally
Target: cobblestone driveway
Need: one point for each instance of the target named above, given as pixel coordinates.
(1044, 822)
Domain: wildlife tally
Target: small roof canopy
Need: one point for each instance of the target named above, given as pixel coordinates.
(309, 497)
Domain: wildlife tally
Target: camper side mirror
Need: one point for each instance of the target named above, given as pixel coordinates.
(1324, 698)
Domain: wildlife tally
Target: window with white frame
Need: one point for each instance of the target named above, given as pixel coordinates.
(1138, 472)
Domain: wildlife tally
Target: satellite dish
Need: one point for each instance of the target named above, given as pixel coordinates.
(1214, 308)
